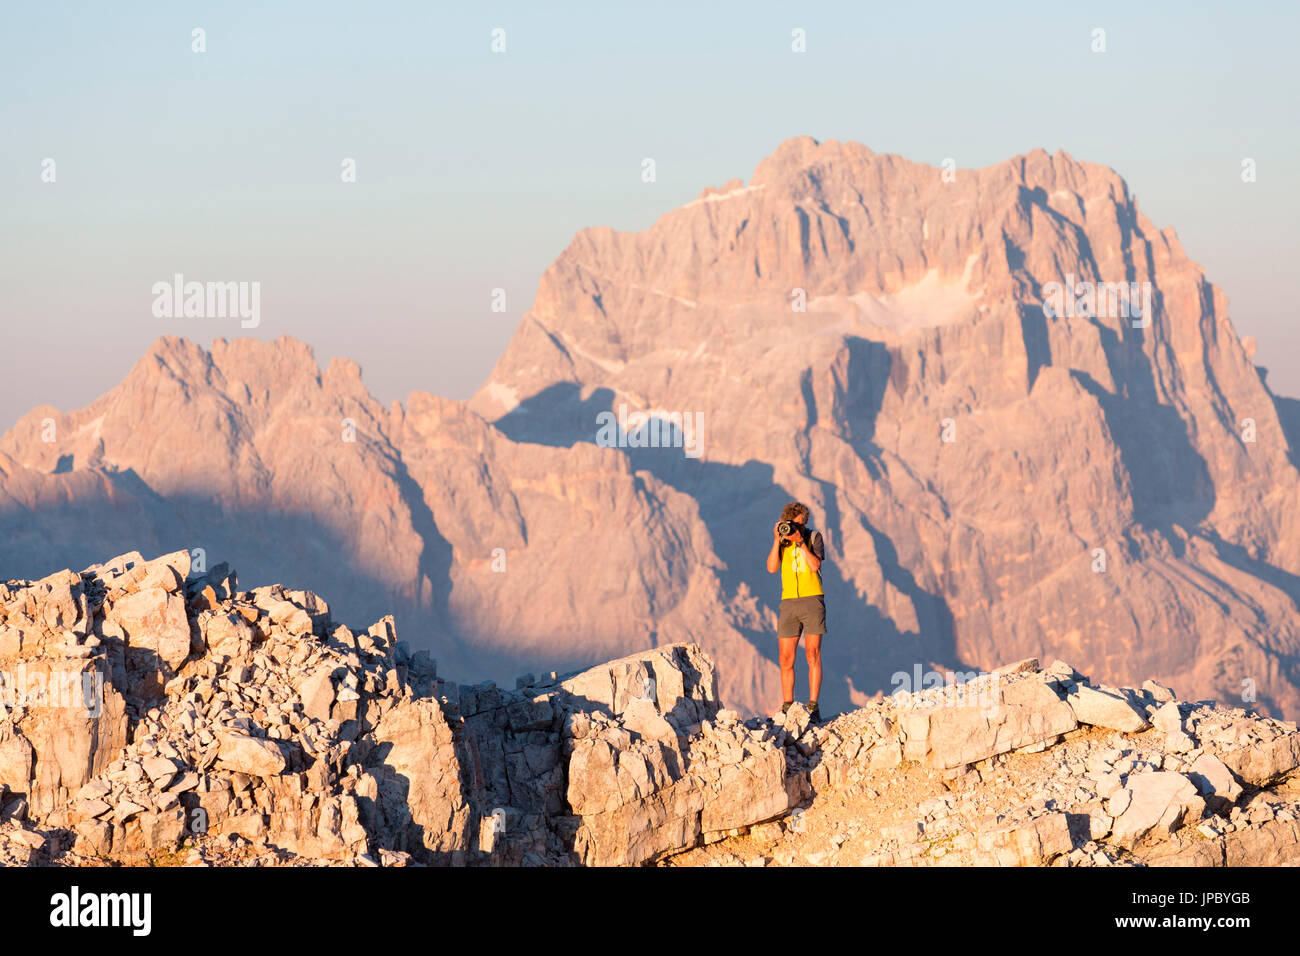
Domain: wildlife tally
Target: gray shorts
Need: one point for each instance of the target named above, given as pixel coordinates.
(805, 615)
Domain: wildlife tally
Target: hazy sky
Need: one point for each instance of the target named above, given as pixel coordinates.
(474, 168)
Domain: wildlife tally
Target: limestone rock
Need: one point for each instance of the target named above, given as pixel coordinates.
(1158, 691)
(1020, 714)
(1168, 719)
(227, 634)
(16, 759)
(73, 744)
(160, 770)
(1153, 805)
(419, 780)
(1102, 709)
(1265, 762)
(316, 689)
(244, 754)
(1214, 781)
(155, 623)
(642, 717)
(292, 739)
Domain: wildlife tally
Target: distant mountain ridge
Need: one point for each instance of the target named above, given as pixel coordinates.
(994, 483)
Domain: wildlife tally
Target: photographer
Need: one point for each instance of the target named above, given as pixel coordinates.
(797, 552)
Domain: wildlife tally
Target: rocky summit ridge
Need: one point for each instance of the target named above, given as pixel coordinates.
(151, 711)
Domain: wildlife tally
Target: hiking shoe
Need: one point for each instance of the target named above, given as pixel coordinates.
(785, 708)
(814, 714)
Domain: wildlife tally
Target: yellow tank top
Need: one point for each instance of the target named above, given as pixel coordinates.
(797, 578)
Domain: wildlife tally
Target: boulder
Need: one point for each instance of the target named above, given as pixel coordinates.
(1273, 844)
(1168, 719)
(1152, 805)
(1215, 782)
(156, 627)
(159, 770)
(642, 717)
(1059, 672)
(1158, 691)
(1263, 762)
(16, 759)
(316, 690)
(679, 678)
(244, 754)
(11, 640)
(747, 792)
(632, 810)
(1034, 843)
(73, 744)
(1103, 709)
(1026, 666)
(421, 782)
(63, 604)
(287, 615)
(167, 573)
(227, 634)
(1020, 714)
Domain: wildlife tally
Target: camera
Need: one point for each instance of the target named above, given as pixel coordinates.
(787, 528)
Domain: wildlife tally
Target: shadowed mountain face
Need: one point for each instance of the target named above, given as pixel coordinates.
(499, 556)
(847, 329)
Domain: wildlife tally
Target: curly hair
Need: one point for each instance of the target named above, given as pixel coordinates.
(793, 509)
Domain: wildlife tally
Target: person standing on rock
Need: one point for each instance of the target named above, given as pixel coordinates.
(798, 555)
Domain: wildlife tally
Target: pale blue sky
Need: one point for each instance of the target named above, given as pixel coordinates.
(475, 169)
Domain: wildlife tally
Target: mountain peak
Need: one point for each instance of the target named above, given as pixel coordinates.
(283, 353)
(179, 357)
(801, 152)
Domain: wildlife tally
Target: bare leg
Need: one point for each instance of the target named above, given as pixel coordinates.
(789, 646)
(813, 650)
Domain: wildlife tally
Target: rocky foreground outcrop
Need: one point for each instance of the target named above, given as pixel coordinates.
(151, 712)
